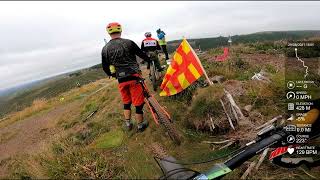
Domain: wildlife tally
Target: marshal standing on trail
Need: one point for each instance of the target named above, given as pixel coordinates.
(162, 41)
(119, 61)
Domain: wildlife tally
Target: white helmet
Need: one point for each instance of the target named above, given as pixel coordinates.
(147, 34)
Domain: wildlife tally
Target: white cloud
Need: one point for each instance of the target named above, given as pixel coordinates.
(44, 38)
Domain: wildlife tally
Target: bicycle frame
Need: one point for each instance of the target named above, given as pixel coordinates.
(156, 73)
(147, 96)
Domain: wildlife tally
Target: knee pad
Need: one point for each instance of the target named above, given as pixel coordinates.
(127, 106)
(139, 109)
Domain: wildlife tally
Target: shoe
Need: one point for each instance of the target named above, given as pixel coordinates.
(129, 125)
(142, 126)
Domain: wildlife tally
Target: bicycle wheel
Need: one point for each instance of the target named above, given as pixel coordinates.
(165, 121)
(153, 76)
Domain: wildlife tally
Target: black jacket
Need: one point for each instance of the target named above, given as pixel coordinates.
(122, 54)
(150, 44)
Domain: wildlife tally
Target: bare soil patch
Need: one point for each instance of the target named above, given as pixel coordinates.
(32, 135)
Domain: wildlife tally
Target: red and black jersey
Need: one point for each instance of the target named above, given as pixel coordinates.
(150, 44)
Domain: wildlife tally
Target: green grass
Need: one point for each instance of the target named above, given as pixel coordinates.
(110, 139)
(90, 107)
(207, 102)
(270, 68)
(21, 167)
(139, 163)
(81, 163)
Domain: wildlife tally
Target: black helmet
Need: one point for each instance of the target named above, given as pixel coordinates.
(159, 30)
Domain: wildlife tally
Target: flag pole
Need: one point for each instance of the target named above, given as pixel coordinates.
(197, 58)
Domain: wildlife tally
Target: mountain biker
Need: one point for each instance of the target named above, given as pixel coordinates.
(119, 61)
(150, 46)
(163, 43)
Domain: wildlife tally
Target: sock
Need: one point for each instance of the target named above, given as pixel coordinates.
(143, 123)
(140, 125)
(128, 121)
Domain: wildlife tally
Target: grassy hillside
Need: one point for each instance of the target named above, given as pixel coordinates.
(208, 43)
(75, 146)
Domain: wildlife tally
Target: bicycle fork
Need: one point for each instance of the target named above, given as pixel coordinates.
(152, 112)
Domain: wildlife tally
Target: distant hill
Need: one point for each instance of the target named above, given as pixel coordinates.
(10, 91)
(19, 97)
(208, 43)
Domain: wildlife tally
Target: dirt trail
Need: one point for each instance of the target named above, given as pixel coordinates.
(158, 150)
(32, 134)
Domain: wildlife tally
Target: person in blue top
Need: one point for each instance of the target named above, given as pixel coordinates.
(162, 42)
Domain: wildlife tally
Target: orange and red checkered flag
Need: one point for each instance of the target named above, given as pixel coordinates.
(184, 69)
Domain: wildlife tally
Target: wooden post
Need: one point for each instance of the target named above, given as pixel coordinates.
(197, 58)
(227, 145)
(269, 122)
(233, 103)
(218, 142)
(247, 172)
(225, 110)
(262, 157)
(212, 124)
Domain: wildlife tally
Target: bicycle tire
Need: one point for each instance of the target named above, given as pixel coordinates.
(153, 76)
(165, 121)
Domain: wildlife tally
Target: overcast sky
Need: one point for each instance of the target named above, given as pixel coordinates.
(41, 39)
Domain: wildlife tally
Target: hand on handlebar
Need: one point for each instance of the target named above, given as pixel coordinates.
(113, 76)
